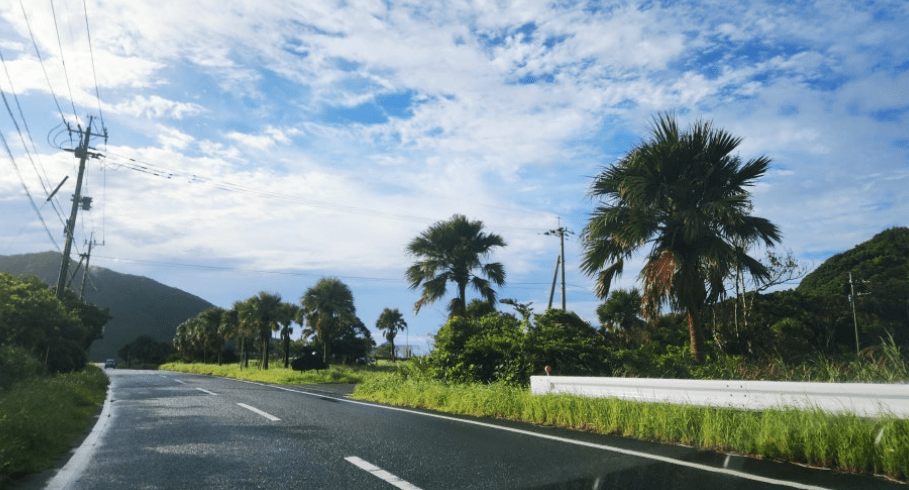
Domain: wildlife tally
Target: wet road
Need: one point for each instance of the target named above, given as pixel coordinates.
(171, 431)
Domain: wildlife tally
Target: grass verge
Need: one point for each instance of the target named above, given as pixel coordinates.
(274, 374)
(838, 441)
(41, 418)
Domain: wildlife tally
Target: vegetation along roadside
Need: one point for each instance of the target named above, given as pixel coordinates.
(842, 442)
(40, 419)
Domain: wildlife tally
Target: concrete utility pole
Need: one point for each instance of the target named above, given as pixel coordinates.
(82, 153)
(88, 258)
(560, 231)
(852, 296)
(555, 277)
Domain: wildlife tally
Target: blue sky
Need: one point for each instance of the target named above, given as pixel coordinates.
(264, 145)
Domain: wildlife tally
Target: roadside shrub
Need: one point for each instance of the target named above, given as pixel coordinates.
(41, 418)
(481, 350)
(16, 364)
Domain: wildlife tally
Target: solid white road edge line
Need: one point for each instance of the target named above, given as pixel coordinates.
(206, 391)
(79, 460)
(260, 412)
(380, 473)
(604, 447)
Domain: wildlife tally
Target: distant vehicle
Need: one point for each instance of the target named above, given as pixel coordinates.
(110, 363)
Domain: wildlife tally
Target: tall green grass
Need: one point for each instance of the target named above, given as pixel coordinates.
(838, 441)
(279, 375)
(41, 418)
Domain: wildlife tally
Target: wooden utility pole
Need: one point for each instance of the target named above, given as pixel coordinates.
(82, 154)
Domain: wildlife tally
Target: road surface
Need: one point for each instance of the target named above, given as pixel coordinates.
(164, 430)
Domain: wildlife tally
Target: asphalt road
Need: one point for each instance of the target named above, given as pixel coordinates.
(171, 431)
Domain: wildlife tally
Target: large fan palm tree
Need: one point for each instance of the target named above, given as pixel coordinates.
(684, 194)
(391, 322)
(262, 312)
(450, 251)
(327, 308)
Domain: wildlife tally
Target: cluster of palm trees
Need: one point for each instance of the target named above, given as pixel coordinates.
(681, 192)
(326, 310)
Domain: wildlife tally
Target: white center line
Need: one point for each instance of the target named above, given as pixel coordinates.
(206, 391)
(260, 412)
(178, 381)
(380, 473)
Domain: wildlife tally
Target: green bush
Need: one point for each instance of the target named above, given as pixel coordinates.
(16, 364)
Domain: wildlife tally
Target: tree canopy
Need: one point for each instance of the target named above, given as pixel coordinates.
(685, 194)
(454, 251)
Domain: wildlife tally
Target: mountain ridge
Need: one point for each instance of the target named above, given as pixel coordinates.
(139, 305)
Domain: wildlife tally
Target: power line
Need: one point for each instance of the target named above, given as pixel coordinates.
(162, 172)
(30, 139)
(92, 55)
(63, 60)
(41, 61)
(27, 193)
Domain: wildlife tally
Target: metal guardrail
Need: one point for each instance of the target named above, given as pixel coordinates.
(864, 399)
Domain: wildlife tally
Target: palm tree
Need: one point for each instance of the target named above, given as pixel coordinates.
(327, 307)
(289, 314)
(684, 194)
(391, 322)
(450, 251)
(262, 312)
(232, 328)
(211, 337)
(619, 313)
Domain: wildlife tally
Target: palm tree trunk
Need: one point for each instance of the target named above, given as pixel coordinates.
(696, 333)
(242, 351)
(265, 345)
(286, 348)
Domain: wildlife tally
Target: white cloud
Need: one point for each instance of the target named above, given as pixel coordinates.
(235, 93)
(156, 107)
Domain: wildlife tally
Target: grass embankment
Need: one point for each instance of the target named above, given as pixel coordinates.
(274, 374)
(41, 418)
(838, 441)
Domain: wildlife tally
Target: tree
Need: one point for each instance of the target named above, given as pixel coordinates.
(232, 327)
(209, 332)
(261, 313)
(450, 251)
(327, 308)
(289, 313)
(619, 313)
(684, 193)
(391, 322)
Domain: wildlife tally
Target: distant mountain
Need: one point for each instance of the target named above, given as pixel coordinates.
(882, 261)
(138, 304)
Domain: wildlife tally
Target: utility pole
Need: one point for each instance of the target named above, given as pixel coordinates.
(82, 153)
(561, 231)
(88, 258)
(852, 297)
(555, 277)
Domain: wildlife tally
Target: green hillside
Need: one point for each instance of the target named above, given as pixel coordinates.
(138, 304)
(883, 261)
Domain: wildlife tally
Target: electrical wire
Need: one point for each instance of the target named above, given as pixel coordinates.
(162, 172)
(41, 61)
(63, 60)
(12, 90)
(92, 55)
(27, 193)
